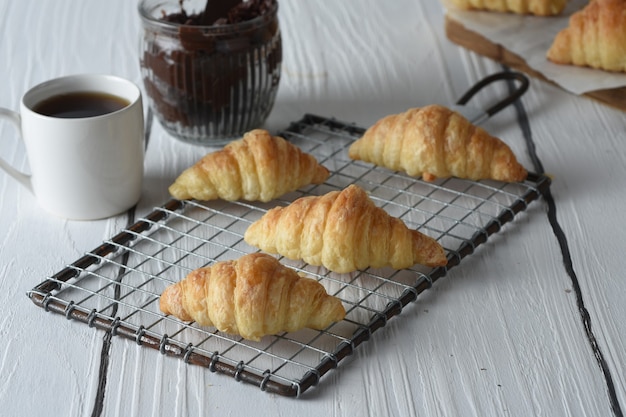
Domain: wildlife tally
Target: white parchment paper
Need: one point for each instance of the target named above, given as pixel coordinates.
(530, 37)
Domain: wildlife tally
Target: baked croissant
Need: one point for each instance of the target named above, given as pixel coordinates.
(536, 7)
(595, 37)
(252, 296)
(258, 167)
(343, 231)
(436, 142)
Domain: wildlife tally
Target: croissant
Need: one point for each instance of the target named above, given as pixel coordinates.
(435, 142)
(258, 167)
(252, 296)
(536, 7)
(595, 37)
(343, 231)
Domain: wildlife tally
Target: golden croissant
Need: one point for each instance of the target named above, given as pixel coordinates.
(436, 142)
(258, 167)
(343, 231)
(595, 37)
(536, 7)
(252, 296)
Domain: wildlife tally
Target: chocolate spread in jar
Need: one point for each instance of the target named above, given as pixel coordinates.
(216, 71)
(221, 12)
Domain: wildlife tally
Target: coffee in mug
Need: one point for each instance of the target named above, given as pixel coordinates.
(80, 104)
(84, 141)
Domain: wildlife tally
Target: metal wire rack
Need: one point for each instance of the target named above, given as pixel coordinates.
(116, 286)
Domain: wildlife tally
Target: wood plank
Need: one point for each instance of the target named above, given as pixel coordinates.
(459, 34)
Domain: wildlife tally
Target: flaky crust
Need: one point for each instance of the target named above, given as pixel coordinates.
(343, 231)
(595, 37)
(258, 167)
(536, 7)
(436, 142)
(253, 296)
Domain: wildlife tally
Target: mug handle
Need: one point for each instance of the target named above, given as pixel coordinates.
(22, 178)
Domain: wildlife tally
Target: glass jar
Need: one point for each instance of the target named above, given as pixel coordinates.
(209, 84)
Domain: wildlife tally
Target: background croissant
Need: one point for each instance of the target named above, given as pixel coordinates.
(595, 37)
(536, 7)
(344, 231)
(252, 296)
(436, 142)
(258, 167)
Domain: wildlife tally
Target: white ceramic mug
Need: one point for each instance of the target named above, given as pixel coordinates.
(82, 168)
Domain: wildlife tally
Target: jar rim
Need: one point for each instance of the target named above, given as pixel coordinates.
(147, 16)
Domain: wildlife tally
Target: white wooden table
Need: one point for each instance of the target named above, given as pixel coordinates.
(531, 324)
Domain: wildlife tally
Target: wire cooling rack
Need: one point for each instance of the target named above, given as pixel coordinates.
(116, 286)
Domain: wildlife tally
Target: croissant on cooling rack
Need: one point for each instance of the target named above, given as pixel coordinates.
(536, 7)
(436, 142)
(252, 296)
(258, 167)
(595, 37)
(343, 231)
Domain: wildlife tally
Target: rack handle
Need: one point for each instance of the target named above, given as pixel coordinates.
(500, 76)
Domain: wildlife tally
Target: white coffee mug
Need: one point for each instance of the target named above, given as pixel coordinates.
(82, 168)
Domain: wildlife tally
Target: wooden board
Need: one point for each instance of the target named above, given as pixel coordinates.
(457, 33)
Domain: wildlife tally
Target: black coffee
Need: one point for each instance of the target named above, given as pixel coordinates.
(80, 104)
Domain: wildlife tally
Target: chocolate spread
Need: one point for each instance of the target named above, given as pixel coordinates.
(200, 74)
(221, 12)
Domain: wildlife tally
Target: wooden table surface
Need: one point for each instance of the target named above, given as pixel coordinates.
(532, 324)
